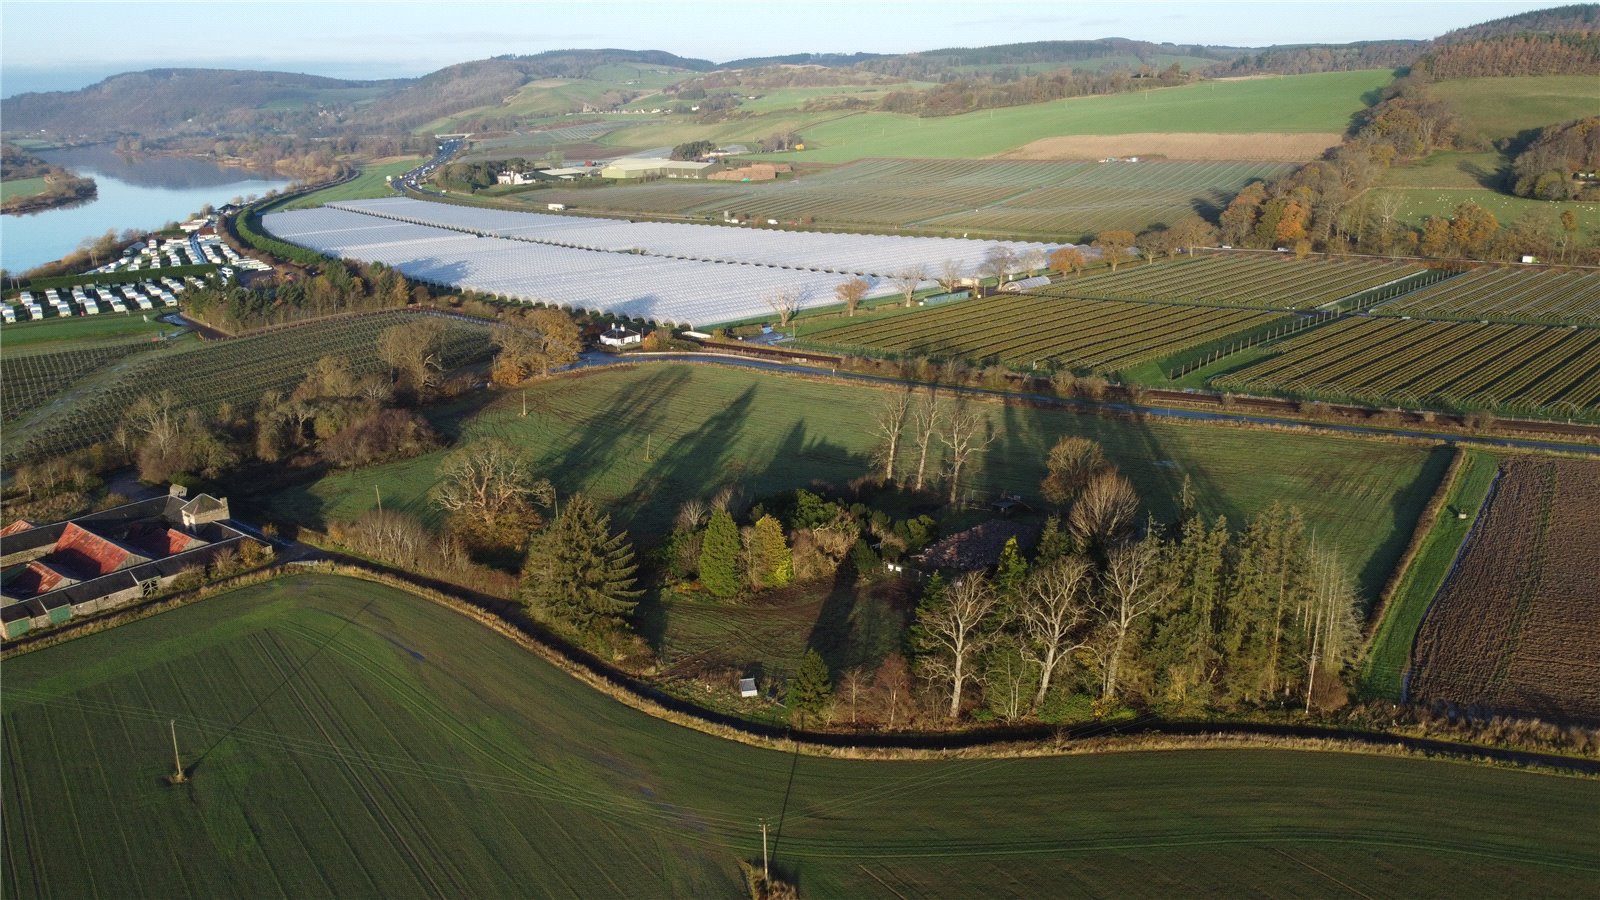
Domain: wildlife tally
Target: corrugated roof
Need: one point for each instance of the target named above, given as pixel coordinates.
(89, 554)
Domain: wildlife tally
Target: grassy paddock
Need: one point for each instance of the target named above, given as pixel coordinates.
(22, 187)
(343, 738)
(61, 334)
(1503, 107)
(645, 439)
(1383, 671)
(368, 185)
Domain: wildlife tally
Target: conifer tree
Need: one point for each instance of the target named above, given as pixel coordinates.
(771, 563)
(577, 572)
(810, 689)
(719, 556)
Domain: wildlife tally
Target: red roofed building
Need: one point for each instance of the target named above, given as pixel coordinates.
(159, 541)
(16, 527)
(90, 555)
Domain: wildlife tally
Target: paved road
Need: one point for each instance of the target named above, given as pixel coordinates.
(593, 359)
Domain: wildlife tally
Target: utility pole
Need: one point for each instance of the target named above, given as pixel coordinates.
(765, 873)
(177, 766)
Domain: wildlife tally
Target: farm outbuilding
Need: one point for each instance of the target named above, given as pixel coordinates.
(747, 688)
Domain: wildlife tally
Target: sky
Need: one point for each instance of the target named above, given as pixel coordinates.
(68, 44)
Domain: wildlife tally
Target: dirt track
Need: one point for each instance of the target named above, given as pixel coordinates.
(1179, 145)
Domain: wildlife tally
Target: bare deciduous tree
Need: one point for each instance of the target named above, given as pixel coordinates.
(890, 424)
(1133, 586)
(907, 281)
(1055, 604)
(1105, 512)
(998, 262)
(951, 274)
(851, 293)
(784, 303)
(967, 433)
(952, 632)
(486, 479)
(155, 417)
(927, 416)
(1331, 621)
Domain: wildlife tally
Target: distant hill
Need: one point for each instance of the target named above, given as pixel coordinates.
(1577, 17)
(831, 60)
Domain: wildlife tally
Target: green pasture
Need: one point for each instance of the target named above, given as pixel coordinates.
(1383, 670)
(556, 96)
(368, 185)
(795, 97)
(61, 333)
(1417, 204)
(22, 187)
(1493, 109)
(1293, 103)
(345, 739)
(643, 440)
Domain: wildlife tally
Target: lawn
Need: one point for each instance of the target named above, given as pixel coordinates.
(1383, 672)
(21, 187)
(368, 185)
(1496, 108)
(345, 739)
(1296, 103)
(1417, 204)
(644, 440)
(80, 331)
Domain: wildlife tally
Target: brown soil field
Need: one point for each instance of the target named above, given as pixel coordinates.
(1179, 145)
(1516, 626)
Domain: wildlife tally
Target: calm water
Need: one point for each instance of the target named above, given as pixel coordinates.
(134, 193)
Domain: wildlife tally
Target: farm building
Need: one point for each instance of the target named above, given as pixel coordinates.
(619, 337)
(1026, 284)
(107, 558)
(654, 168)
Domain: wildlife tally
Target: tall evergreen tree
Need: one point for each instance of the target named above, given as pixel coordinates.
(810, 689)
(719, 556)
(771, 563)
(578, 573)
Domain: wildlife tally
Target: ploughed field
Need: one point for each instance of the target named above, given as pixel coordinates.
(643, 440)
(346, 739)
(985, 197)
(1516, 624)
(89, 399)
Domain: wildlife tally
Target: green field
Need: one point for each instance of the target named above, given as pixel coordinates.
(81, 331)
(345, 739)
(1295, 103)
(21, 187)
(1417, 204)
(1495, 108)
(644, 440)
(1055, 200)
(368, 185)
(555, 96)
(1383, 671)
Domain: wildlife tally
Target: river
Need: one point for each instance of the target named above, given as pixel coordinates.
(139, 192)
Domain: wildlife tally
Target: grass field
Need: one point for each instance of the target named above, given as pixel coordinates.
(369, 184)
(79, 331)
(1417, 204)
(555, 96)
(21, 187)
(1297, 103)
(1495, 108)
(642, 441)
(1383, 670)
(345, 739)
(1058, 200)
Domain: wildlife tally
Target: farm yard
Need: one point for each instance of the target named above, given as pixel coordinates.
(1260, 281)
(642, 441)
(1515, 625)
(346, 739)
(1506, 295)
(1041, 331)
(989, 197)
(203, 375)
(1522, 368)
